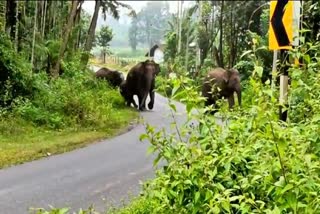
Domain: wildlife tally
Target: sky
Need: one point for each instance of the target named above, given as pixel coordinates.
(136, 5)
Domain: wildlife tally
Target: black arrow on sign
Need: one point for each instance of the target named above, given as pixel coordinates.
(277, 24)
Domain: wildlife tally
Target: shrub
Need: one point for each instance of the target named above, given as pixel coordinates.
(252, 164)
(15, 75)
(74, 100)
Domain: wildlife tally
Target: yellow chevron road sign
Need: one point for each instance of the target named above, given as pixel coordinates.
(284, 24)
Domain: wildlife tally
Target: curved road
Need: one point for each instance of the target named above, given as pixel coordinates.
(100, 173)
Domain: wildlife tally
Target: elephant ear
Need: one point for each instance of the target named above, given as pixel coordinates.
(157, 69)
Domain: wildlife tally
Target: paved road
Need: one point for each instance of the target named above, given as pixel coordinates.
(103, 172)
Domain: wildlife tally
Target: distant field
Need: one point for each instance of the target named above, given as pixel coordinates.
(128, 53)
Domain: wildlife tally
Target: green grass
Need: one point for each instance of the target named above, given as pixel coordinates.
(129, 53)
(138, 205)
(21, 141)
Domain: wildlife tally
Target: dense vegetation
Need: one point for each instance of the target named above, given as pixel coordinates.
(253, 163)
(50, 101)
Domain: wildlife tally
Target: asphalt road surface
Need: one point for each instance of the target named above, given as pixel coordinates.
(101, 173)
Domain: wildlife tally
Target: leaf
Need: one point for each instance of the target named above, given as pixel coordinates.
(245, 53)
(208, 195)
(197, 196)
(143, 136)
(174, 90)
(187, 182)
(286, 188)
(258, 70)
(63, 210)
(280, 182)
(256, 177)
(173, 107)
(225, 205)
(189, 107)
(282, 147)
(155, 162)
(291, 199)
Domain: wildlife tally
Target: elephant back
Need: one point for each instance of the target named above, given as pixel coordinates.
(103, 72)
(113, 77)
(213, 79)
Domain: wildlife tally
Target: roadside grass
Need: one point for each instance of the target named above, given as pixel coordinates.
(137, 205)
(21, 141)
(62, 117)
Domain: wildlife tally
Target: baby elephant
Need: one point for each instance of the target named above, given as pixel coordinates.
(115, 78)
(220, 83)
(124, 91)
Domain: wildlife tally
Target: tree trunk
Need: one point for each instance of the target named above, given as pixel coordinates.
(11, 18)
(44, 18)
(3, 8)
(221, 36)
(180, 12)
(231, 40)
(77, 21)
(17, 27)
(22, 22)
(34, 33)
(65, 38)
(91, 33)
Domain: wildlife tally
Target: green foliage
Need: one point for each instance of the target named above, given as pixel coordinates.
(15, 75)
(171, 46)
(150, 24)
(59, 104)
(55, 104)
(105, 36)
(90, 210)
(252, 163)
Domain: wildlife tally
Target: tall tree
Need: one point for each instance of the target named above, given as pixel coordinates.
(104, 37)
(152, 22)
(64, 40)
(11, 20)
(133, 34)
(107, 6)
(34, 33)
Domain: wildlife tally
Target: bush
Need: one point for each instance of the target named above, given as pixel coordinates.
(15, 75)
(76, 99)
(254, 164)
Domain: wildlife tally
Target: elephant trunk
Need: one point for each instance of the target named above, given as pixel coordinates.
(148, 82)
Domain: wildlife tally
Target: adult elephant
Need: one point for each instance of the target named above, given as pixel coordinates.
(220, 83)
(115, 78)
(141, 82)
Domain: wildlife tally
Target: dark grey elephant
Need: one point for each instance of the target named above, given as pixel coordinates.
(220, 83)
(127, 95)
(141, 82)
(114, 77)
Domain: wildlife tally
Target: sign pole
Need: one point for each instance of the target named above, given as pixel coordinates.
(283, 100)
(283, 35)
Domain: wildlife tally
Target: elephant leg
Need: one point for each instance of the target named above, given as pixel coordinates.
(142, 101)
(151, 103)
(133, 102)
(231, 101)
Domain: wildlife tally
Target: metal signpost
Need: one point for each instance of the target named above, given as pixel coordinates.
(283, 35)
